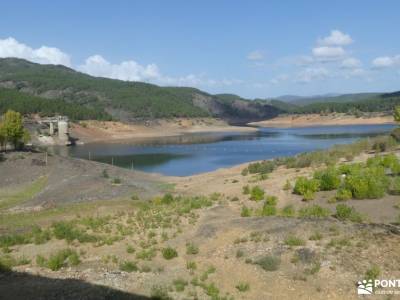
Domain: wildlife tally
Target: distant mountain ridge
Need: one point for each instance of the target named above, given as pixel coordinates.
(122, 100)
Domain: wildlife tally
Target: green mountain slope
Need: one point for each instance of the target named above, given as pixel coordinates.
(121, 100)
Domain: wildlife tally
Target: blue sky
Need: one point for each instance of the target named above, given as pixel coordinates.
(251, 48)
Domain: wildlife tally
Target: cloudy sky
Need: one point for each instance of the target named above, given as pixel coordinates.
(251, 48)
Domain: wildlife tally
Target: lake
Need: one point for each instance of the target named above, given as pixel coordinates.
(203, 152)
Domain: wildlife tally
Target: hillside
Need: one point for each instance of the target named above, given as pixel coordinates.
(120, 100)
(302, 101)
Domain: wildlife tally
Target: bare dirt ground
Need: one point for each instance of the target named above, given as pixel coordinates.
(94, 131)
(66, 181)
(219, 253)
(309, 120)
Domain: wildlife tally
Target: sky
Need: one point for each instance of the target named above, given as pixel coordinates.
(256, 49)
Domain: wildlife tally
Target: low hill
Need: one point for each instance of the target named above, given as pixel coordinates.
(302, 101)
(109, 98)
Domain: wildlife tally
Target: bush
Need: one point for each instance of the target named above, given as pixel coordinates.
(314, 211)
(271, 200)
(288, 211)
(268, 210)
(257, 193)
(160, 293)
(180, 284)
(128, 266)
(343, 195)
(60, 259)
(246, 190)
(192, 248)
(329, 179)
(245, 212)
(344, 212)
(169, 253)
(263, 167)
(373, 273)
(66, 231)
(269, 263)
(167, 199)
(367, 183)
(395, 134)
(287, 186)
(292, 240)
(243, 287)
(306, 187)
(394, 187)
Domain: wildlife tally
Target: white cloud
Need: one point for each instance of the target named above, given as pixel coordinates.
(129, 70)
(278, 79)
(312, 74)
(10, 47)
(351, 63)
(255, 55)
(325, 53)
(336, 38)
(386, 61)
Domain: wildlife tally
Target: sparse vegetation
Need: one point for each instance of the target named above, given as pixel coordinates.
(269, 263)
(169, 253)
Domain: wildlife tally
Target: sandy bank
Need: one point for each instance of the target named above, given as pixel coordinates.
(96, 131)
(318, 120)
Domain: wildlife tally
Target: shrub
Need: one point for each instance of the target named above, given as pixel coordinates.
(180, 284)
(344, 212)
(269, 263)
(343, 195)
(191, 265)
(257, 193)
(288, 211)
(263, 167)
(367, 183)
(287, 186)
(314, 211)
(271, 200)
(159, 292)
(268, 210)
(116, 181)
(245, 212)
(243, 287)
(130, 249)
(373, 273)
(60, 259)
(169, 253)
(292, 240)
(306, 187)
(192, 248)
(128, 266)
(316, 236)
(394, 187)
(167, 199)
(395, 134)
(246, 190)
(329, 179)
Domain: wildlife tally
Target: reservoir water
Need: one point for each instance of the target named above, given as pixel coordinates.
(203, 152)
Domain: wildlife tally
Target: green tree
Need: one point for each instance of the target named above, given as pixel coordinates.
(3, 139)
(397, 114)
(13, 128)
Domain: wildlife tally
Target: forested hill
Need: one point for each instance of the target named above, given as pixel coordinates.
(51, 89)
